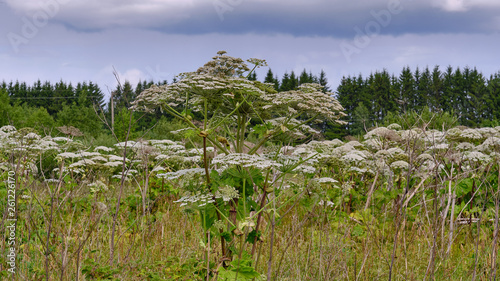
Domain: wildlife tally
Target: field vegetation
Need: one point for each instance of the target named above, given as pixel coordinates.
(243, 185)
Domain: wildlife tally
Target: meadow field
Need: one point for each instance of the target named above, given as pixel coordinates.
(248, 188)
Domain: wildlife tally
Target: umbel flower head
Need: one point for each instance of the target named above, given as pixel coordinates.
(223, 65)
(219, 87)
(308, 99)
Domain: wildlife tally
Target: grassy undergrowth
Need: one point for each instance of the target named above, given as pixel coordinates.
(310, 242)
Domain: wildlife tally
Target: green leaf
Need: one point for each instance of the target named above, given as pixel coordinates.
(251, 236)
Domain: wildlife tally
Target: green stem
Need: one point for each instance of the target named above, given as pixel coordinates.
(277, 133)
(244, 198)
(207, 175)
(262, 205)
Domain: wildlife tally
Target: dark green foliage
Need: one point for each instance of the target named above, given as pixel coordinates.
(427, 118)
(465, 93)
(322, 81)
(79, 116)
(361, 120)
(368, 101)
(98, 271)
(123, 122)
(252, 76)
(270, 78)
(124, 95)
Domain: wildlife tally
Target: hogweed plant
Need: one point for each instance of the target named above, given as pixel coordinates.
(416, 203)
(232, 191)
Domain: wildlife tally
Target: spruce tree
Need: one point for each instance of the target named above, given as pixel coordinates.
(304, 77)
(252, 76)
(123, 96)
(436, 99)
(406, 96)
(294, 81)
(285, 84)
(270, 78)
(323, 81)
(493, 89)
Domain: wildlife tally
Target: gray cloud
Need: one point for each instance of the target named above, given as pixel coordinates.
(153, 39)
(298, 18)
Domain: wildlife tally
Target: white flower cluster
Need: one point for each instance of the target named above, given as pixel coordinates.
(292, 127)
(440, 146)
(401, 165)
(471, 134)
(103, 148)
(200, 199)
(305, 169)
(394, 126)
(245, 160)
(7, 129)
(97, 186)
(227, 193)
(425, 157)
(354, 156)
(325, 180)
(465, 146)
(307, 99)
(410, 134)
(215, 81)
(382, 133)
(434, 137)
(182, 173)
(328, 203)
(476, 156)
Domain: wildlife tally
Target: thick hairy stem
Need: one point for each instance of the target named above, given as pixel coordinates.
(262, 204)
(267, 137)
(432, 259)
(396, 237)
(207, 175)
(120, 194)
(405, 204)
(445, 212)
(370, 193)
(51, 218)
(476, 255)
(495, 235)
(232, 218)
(242, 133)
(452, 223)
(493, 273)
(269, 262)
(258, 145)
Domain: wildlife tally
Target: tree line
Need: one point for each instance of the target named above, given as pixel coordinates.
(460, 96)
(45, 105)
(466, 94)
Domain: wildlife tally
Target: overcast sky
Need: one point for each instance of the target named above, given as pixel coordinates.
(83, 40)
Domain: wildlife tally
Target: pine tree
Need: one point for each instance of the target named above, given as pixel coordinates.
(123, 96)
(406, 86)
(97, 94)
(493, 89)
(252, 76)
(270, 78)
(304, 78)
(436, 103)
(323, 81)
(384, 95)
(362, 120)
(423, 88)
(294, 81)
(478, 99)
(285, 84)
(347, 95)
(448, 95)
